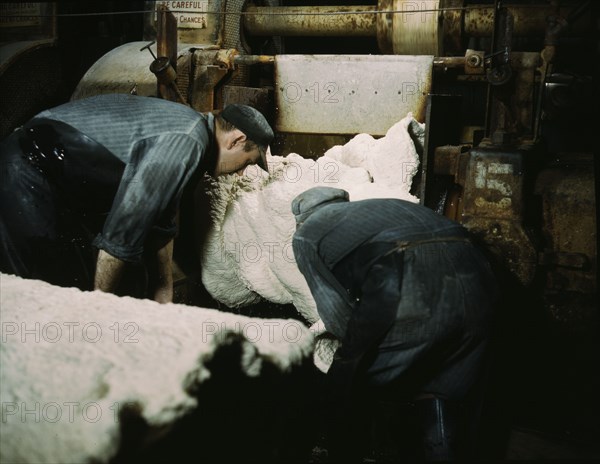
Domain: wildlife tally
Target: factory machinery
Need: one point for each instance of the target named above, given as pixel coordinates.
(505, 90)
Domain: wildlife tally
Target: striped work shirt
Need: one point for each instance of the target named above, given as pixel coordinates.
(335, 231)
(161, 144)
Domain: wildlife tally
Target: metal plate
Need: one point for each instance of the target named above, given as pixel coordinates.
(349, 94)
(119, 71)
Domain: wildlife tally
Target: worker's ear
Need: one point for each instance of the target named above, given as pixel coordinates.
(237, 138)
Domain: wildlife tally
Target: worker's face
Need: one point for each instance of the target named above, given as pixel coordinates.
(233, 157)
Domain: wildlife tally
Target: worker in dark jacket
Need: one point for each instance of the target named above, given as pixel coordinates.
(408, 296)
(92, 186)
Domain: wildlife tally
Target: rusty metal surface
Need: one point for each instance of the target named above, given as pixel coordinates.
(528, 19)
(404, 27)
(492, 207)
(494, 179)
(451, 27)
(254, 59)
(319, 21)
(385, 23)
(348, 94)
(210, 67)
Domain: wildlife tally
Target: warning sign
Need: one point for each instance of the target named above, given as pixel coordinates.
(189, 14)
(25, 14)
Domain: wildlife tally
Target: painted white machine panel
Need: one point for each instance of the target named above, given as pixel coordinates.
(349, 94)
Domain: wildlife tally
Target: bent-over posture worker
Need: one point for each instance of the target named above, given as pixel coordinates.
(408, 296)
(107, 173)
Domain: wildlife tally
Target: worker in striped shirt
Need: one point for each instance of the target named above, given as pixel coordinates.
(91, 188)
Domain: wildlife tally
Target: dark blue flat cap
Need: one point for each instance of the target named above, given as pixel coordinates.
(253, 124)
(314, 198)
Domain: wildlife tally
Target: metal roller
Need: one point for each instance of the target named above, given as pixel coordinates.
(402, 27)
(322, 21)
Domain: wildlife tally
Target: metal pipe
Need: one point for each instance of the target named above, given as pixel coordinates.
(319, 21)
(442, 62)
(360, 21)
(439, 62)
(253, 59)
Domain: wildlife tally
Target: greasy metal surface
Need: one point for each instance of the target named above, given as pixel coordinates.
(492, 207)
(349, 94)
(474, 61)
(302, 21)
(569, 224)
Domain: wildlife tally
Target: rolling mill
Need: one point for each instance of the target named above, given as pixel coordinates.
(503, 93)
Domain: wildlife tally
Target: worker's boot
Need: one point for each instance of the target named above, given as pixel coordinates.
(438, 421)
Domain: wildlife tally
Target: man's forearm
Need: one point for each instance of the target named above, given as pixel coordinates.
(163, 290)
(108, 272)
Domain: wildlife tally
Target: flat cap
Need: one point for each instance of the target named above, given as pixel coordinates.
(252, 123)
(310, 200)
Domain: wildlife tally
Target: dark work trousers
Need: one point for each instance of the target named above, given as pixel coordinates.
(40, 237)
(437, 338)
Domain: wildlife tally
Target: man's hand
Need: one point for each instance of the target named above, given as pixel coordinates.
(110, 269)
(108, 272)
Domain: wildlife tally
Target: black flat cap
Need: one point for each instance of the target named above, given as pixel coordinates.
(312, 199)
(252, 123)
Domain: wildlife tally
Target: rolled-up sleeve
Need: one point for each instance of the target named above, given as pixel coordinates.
(148, 195)
(333, 302)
